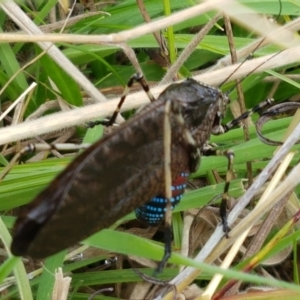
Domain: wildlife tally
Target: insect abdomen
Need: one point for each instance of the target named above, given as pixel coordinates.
(154, 211)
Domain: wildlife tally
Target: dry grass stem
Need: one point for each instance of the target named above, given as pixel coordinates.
(61, 286)
(80, 115)
(280, 36)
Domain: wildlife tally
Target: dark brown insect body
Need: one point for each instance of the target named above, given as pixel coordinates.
(120, 172)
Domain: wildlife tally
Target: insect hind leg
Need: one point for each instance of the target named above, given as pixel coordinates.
(138, 77)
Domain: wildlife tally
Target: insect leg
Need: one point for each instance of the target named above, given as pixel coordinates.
(30, 148)
(270, 114)
(266, 116)
(230, 125)
(229, 175)
(136, 77)
(157, 282)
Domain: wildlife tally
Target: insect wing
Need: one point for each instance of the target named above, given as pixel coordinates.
(107, 181)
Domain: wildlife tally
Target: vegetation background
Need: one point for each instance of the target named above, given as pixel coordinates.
(109, 66)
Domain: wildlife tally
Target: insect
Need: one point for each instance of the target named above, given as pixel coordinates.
(128, 167)
(119, 161)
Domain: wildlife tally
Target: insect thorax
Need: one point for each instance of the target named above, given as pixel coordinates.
(202, 107)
